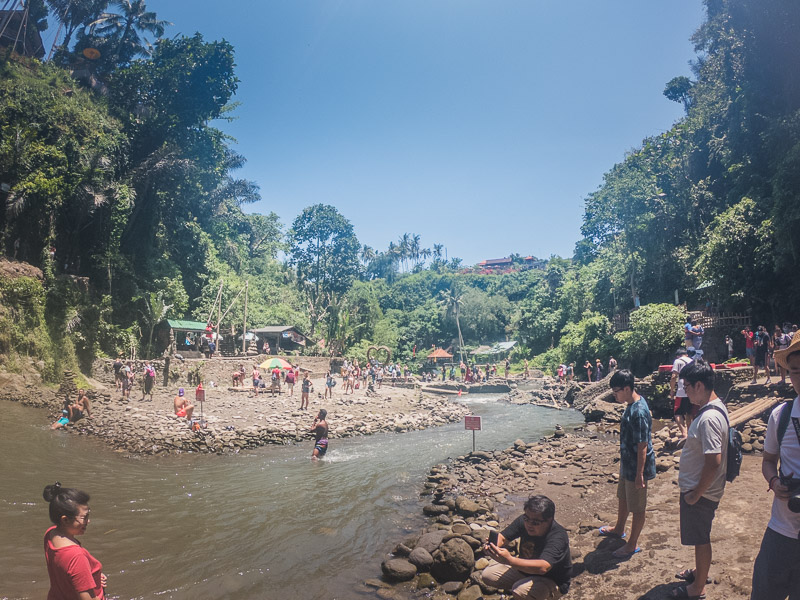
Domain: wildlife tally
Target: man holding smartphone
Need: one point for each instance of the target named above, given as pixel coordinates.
(543, 568)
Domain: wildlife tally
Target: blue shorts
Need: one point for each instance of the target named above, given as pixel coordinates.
(751, 352)
(63, 421)
(321, 447)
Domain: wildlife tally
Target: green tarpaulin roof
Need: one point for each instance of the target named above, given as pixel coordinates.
(186, 325)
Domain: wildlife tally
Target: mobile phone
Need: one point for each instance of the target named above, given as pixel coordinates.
(493, 537)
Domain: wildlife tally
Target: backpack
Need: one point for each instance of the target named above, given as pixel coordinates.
(734, 463)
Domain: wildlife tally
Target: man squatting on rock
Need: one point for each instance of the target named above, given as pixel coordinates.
(702, 474)
(776, 573)
(543, 568)
(637, 462)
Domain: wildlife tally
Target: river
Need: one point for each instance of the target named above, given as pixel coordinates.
(267, 523)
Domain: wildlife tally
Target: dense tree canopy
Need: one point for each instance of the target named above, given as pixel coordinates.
(130, 184)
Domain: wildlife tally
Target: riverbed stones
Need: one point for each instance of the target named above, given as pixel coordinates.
(453, 561)
(398, 569)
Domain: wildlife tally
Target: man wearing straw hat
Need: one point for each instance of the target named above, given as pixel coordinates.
(776, 573)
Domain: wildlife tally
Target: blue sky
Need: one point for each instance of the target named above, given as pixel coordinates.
(478, 125)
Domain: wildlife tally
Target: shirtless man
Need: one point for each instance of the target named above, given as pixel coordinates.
(182, 406)
(82, 406)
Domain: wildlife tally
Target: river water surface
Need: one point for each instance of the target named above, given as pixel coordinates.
(266, 523)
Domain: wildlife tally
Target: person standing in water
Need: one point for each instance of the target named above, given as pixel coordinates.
(320, 429)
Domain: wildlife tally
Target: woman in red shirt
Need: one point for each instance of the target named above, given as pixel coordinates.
(74, 573)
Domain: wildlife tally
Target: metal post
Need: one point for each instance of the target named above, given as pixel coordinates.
(473, 440)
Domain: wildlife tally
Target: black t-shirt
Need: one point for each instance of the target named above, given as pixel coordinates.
(117, 366)
(552, 547)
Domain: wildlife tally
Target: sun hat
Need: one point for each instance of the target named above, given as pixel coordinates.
(781, 356)
(180, 392)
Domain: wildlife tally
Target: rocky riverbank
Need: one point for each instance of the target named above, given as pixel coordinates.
(236, 419)
(473, 494)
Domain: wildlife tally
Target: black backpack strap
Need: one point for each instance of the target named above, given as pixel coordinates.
(714, 406)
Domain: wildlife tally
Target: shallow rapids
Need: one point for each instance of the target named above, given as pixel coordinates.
(264, 524)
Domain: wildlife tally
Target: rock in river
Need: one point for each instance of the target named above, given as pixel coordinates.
(398, 569)
(421, 558)
(453, 561)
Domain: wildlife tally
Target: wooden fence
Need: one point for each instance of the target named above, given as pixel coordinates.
(708, 320)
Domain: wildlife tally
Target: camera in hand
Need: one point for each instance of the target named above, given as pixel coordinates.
(793, 485)
(493, 537)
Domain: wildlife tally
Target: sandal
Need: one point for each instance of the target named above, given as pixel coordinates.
(606, 531)
(687, 575)
(682, 593)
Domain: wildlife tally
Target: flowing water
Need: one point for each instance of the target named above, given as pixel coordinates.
(267, 523)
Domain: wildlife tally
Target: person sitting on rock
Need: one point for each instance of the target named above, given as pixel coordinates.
(182, 406)
(543, 567)
(82, 407)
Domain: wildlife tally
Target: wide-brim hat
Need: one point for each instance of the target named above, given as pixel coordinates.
(781, 356)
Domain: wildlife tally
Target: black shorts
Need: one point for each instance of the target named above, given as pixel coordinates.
(685, 406)
(761, 359)
(696, 521)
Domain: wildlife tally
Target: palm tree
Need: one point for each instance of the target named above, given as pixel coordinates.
(74, 14)
(404, 246)
(124, 30)
(452, 299)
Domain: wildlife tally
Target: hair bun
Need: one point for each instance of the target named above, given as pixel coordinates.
(51, 491)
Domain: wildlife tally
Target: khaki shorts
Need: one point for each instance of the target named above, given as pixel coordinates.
(636, 498)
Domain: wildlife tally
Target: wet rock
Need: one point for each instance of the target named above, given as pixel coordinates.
(452, 587)
(425, 581)
(398, 569)
(421, 559)
(433, 510)
(453, 561)
(471, 593)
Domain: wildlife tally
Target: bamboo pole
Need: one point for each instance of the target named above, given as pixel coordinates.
(244, 328)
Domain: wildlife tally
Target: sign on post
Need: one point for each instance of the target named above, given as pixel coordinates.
(472, 424)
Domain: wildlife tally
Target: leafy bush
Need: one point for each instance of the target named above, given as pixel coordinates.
(656, 330)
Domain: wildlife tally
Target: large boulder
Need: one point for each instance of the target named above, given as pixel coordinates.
(453, 561)
(398, 569)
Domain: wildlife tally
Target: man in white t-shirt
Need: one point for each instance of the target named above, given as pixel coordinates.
(776, 573)
(702, 474)
(682, 408)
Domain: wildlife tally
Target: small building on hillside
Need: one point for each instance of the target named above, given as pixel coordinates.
(496, 264)
(284, 338)
(531, 262)
(19, 30)
(439, 356)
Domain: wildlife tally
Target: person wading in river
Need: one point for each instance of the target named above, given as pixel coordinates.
(320, 429)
